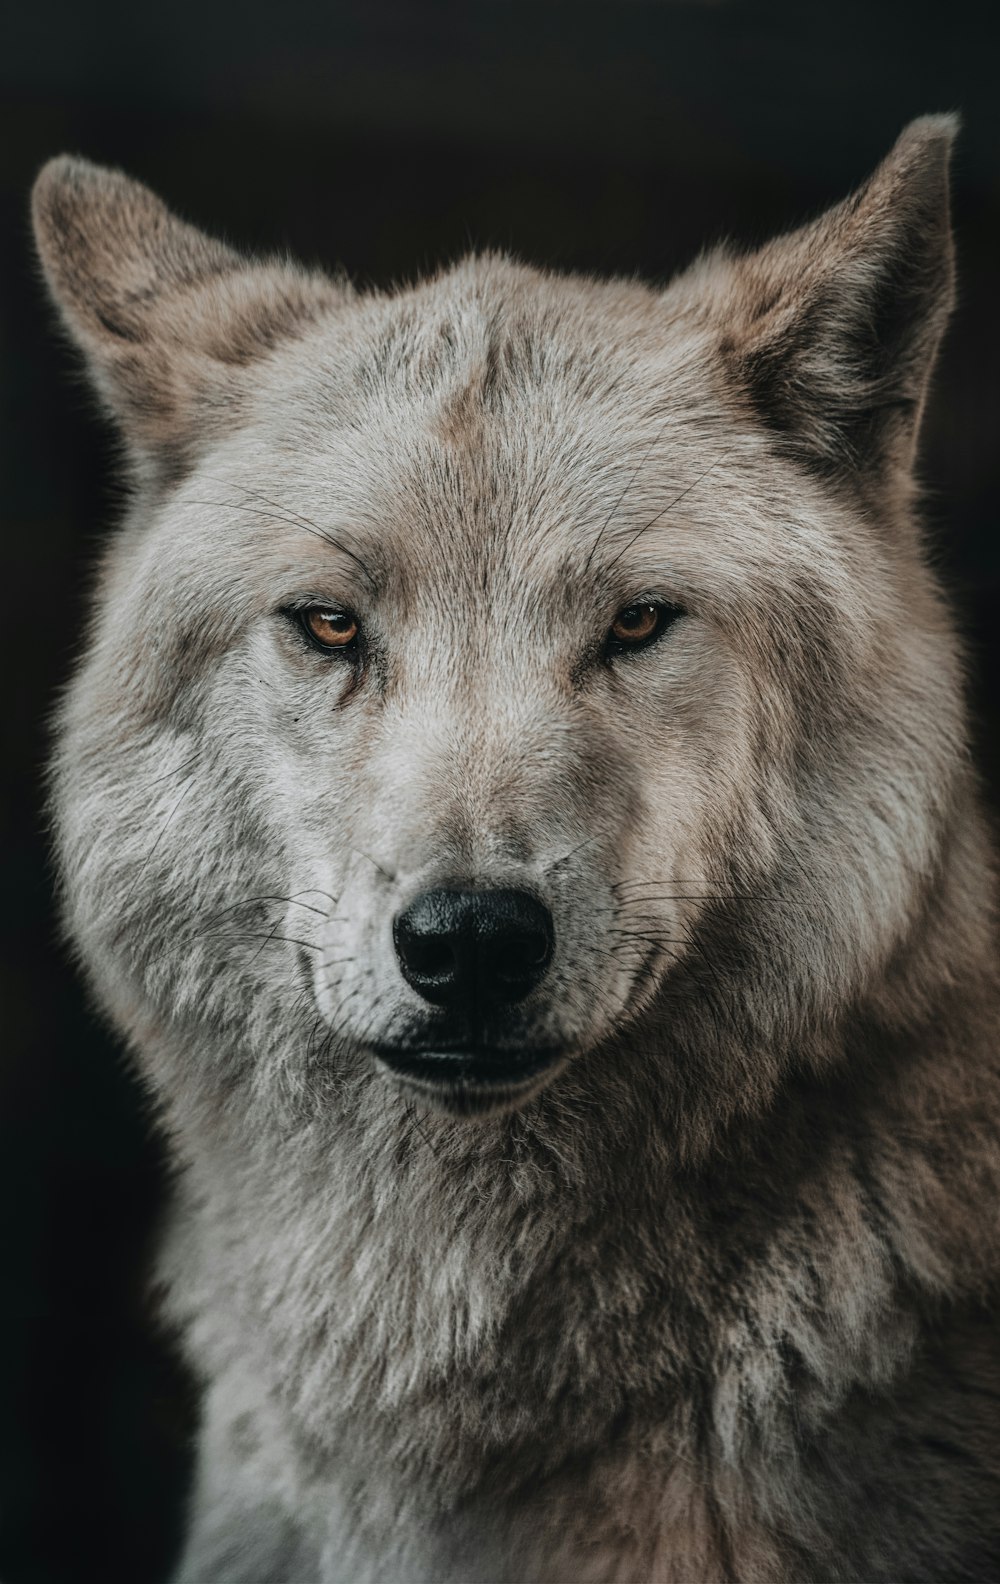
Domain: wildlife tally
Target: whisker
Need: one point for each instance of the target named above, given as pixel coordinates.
(271, 936)
(676, 500)
(625, 489)
(290, 515)
(671, 880)
(643, 886)
(651, 938)
(558, 862)
(293, 522)
(362, 854)
(292, 901)
(701, 896)
(169, 774)
(152, 850)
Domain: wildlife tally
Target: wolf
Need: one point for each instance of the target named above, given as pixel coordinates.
(514, 803)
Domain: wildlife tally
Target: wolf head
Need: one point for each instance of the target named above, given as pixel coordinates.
(500, 677)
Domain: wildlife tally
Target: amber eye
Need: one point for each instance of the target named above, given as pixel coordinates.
(637, 625)
(329, 629)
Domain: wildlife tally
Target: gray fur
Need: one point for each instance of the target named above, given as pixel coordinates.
(709, 1305)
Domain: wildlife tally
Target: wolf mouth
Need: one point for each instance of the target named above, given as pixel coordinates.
(468, 1078)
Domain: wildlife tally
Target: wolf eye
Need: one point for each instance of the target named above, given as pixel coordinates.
(328, 628)
(640, 624)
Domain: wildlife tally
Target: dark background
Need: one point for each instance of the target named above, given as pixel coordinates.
(609, 136)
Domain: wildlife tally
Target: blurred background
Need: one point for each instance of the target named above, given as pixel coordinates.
(386, 136)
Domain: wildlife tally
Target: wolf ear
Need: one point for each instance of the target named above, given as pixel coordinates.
(170, 321)
(832, 330)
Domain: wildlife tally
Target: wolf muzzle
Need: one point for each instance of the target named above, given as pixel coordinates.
(471, 954)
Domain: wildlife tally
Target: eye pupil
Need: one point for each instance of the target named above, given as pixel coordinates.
(328, 628)
(636, 624)
(636, 618)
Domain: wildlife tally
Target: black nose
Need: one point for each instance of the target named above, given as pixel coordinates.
(469, 949)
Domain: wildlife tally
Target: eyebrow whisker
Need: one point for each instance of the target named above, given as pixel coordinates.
(625, 489)
(669, 507)
(283, 514)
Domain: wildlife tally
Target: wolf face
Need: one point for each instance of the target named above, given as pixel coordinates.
(476, 658)
(526, 698)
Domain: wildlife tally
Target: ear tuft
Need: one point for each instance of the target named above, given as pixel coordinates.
(110, 248)
(169, 318)
(922, 152)
(832, 330)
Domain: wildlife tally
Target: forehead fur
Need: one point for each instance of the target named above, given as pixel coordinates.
(825, 336)
(497, 406)
(491, 343)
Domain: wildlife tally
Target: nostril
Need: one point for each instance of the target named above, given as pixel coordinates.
(508, 961)
(514, 958)
(474, 949)
(536, 950)
(433, 957)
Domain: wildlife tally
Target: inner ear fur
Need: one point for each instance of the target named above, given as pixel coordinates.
(169, 319)
(831, 331)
